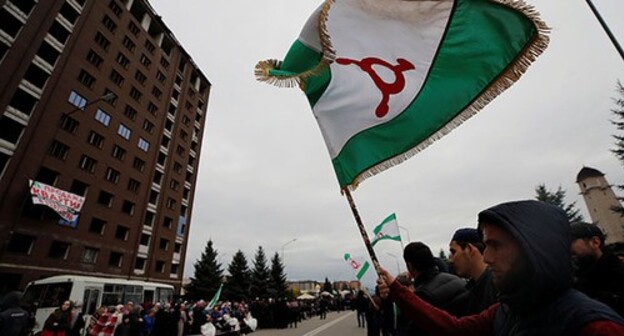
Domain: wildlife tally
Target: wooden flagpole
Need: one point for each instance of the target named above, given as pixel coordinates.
(606, 28)
(367, 243)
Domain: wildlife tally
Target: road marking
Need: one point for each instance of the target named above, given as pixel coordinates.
(326, 326)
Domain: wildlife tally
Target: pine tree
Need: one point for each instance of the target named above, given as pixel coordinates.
(238, 283)
(259, 275)
(557, 198)
(207, 277)
(619, 138)
(277, 282)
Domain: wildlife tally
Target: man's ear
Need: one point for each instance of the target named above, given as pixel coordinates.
(595, 242)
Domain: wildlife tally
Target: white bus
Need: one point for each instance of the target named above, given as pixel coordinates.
(46, 295)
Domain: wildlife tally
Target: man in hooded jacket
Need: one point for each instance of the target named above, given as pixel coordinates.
(14, 321)
(528, 251)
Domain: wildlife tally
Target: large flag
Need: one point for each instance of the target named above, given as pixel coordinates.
(64, 203)
(215, 299)
(386, 78)
(388, 229)
(359, 267)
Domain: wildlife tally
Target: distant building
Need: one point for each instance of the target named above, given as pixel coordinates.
(305, 286)
(134, 156)
(600, 199)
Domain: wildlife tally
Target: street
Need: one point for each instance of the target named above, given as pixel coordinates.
(337, 323)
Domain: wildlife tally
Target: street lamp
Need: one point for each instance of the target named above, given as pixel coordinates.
(396, 258)
(286, 243)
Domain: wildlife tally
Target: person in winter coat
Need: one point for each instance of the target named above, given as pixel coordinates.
(58, 323)
(14, 321)
(528, 250)
(599, 272)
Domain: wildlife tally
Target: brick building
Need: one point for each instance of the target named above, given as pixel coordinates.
(98, 98)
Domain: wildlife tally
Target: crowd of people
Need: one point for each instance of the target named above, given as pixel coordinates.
(524, 270)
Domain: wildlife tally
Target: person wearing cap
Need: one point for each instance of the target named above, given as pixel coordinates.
(599, 273)
(466, 255)
(527, 247)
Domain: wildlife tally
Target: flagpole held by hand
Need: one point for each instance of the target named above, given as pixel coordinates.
(358, 220)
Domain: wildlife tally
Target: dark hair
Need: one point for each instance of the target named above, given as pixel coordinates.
(419, 256)
(479, 245)
(583, 230)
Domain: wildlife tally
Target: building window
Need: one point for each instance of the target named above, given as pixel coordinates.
(175, 185)
(156, 92)
(184, 135)
(115, 259)
(143, 144)
(139, 264)
(165, 141)
(79, 188)
(69, 124)
(24, 5)
(135, 94)
(130, 112)
(145, 61)
(113, 101)
(103, 117)
(140, 77)
(59, 250)
(118, 153)
(186, 193)
(128, 207)
(105, 198)
(123, 60)
(177, 248)
(102, 41)
(94, 58)
(168, 222)
(153, 197)
(162, 158)
(160, 77)
(152, 108)
(149, 46)
(115, 8)
(58, 150)
(186, 121)
(59, 32)
(138, 164)
(89, 255)
(145, 239)
(69, 13)
(164, 244)
(134, 185)
(177, 167)
(116, 78)
(160, 266)
(122, 233)
(127, 42)
(95, 139)
(134, 29)
(124, 131)
(97, 226)
(21, 244)
(23, 101)
(149, 218)
(109, 24)
(180, 150)
(87, 164)
(86, 79)
(112, 175)
(148, 126)
(164, 63)
(48, 53)
(77, 100)
(158, 178)
(9, 24)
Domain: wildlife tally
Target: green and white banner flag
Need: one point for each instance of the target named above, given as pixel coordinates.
(359, 267)
(386, 78)
(388, 229)
(215, 299)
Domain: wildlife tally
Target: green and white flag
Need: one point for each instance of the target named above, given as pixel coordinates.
(215, 299)
(386, 78)
(388, 229)
(359, 267)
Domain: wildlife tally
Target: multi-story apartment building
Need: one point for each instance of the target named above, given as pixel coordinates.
(97, 98)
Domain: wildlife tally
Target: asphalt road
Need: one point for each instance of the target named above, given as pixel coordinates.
(336, 324)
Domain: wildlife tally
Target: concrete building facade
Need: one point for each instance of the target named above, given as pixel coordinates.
(98, 98)
(600, 199)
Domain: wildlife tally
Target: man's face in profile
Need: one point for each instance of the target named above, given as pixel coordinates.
(504, 256)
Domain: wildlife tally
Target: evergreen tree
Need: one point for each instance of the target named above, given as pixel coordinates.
(277, 281)
(259, 275)
(442, 255)
(619, 138)
(557, 198)
(238, 283)
(208, 275)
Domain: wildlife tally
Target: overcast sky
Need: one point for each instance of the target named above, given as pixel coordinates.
(266, 178)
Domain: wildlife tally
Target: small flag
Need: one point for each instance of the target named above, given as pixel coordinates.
(215, 299)
(388, 229)
(385, 79)
(358, 267)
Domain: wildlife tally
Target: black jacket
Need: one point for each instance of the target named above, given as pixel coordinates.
(604, 281)
(14, 321)
(545, 304)
(481, 293)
